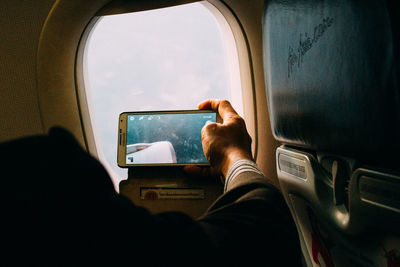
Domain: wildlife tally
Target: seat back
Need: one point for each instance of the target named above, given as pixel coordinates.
(332, 81)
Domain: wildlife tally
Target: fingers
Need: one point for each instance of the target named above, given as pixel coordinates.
(223, 107)
(223, 143)
(210, 104)
(212, 126)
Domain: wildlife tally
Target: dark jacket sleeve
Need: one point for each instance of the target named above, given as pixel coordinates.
(252, 224)
(59, 208)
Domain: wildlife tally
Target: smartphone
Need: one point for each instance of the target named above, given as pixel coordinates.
(162, 138)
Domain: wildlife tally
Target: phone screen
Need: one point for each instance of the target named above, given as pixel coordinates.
(166, 138)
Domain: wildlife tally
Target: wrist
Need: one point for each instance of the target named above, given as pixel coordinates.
(233, 156)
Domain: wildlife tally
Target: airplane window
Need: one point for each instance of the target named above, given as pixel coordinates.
(164, 59)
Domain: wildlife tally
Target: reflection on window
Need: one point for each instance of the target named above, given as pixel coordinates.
(164, 59)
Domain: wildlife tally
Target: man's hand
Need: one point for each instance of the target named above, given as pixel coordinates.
(226, 142)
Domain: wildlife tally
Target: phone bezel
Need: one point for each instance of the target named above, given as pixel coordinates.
(122, 127)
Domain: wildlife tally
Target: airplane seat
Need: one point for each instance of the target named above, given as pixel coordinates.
(332, 81)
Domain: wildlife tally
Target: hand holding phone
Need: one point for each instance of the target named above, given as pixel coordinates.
(162, 138)
(225, 143)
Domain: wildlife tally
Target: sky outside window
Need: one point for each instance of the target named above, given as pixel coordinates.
(165, 59)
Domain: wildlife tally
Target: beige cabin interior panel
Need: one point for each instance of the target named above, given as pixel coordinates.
(249, 16)
(21, 24)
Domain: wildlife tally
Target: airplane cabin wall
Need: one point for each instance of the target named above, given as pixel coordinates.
(250, 17)
(21, 25)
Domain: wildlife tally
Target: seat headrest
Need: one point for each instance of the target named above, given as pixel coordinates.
(331, 71)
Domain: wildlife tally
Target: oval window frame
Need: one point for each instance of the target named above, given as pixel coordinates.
(60, 68)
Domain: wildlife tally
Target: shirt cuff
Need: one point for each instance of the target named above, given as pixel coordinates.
(238, 167)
